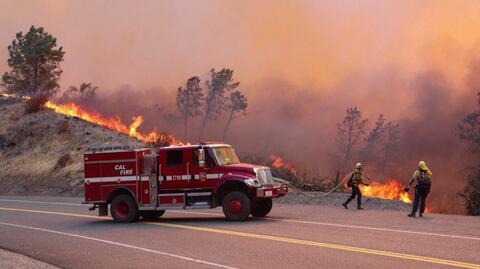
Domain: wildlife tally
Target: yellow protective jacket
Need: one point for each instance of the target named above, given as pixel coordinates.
(421, 177)
(357, 177)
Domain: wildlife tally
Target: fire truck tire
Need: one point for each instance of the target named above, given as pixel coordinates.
(124, 209)
(151, 215)
(236, 206)
(262, 207)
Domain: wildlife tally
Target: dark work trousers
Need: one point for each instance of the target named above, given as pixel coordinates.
(355, 192)
(420, 196)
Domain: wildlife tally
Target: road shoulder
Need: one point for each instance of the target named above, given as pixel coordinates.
(11, 260)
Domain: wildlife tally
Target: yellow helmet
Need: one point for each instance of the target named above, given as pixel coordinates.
(422, 165)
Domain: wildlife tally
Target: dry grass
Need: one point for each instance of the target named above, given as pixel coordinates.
(42, 161)
(163, 140)
(63, 126)
(14, 117)
(63, 161)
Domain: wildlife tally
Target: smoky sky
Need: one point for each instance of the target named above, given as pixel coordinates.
(299, 63)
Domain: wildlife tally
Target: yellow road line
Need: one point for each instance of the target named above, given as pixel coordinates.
(275, 238)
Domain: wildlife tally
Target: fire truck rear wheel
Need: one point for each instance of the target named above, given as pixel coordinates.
(124, 209)
(262, 207)
(236, 206)
(151, 215)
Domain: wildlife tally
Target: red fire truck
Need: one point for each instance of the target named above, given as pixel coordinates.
(146, 182)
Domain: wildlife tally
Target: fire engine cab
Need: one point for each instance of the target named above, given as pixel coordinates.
(146, 182)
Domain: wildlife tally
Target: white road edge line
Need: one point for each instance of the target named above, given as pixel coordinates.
(286, 220)
(348, 226)
(378, 229)
(118, 244)
(42, 202)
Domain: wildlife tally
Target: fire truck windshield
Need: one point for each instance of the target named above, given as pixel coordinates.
(225, 155)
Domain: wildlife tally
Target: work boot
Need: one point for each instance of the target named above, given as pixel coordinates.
(420, 215)
(345, 205)
(411, 215)
(360, 208)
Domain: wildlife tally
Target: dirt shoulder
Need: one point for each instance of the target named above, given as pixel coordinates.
(11, 260)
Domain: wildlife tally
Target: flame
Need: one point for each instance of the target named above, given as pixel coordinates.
(278, 162)
(12, 95)
(113, 123)
(391, 190)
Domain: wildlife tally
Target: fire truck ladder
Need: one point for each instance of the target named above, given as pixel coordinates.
(108, 149)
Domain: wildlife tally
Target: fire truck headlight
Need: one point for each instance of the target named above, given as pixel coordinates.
(253, 182)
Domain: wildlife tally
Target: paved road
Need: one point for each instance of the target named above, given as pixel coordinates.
(62, 232)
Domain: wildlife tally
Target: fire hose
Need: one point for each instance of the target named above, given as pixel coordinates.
(282, 181)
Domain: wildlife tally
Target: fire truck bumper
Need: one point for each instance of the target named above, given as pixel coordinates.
(272, 192)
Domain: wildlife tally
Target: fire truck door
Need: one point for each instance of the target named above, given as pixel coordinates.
(149, 169)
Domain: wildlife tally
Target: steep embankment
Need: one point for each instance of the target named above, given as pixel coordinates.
(41, 153)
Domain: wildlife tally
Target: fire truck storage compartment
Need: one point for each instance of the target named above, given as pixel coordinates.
(105, 171)
(171, 200)
(199, 199)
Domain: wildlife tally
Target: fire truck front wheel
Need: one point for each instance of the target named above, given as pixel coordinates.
(124, 209)
(236, 206)
(262, 207)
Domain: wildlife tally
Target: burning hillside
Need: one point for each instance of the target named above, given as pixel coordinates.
(114, 123)
(52, 145)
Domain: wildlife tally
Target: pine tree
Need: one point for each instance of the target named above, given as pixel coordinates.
(189, 101)
(238, 104)
(35, 64)
(219, 84)
(350, 133)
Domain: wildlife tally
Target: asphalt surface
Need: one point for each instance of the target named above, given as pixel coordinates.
(63, 233)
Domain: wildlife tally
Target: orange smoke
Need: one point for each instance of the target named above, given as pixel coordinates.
(278, 162)
(391, 190)
(113, 123)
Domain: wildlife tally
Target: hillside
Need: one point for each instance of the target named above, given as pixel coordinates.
(41, 153)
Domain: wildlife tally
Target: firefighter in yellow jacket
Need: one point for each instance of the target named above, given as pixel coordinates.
(356, 178)
(423, 179)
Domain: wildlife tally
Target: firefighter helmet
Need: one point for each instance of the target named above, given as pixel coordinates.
(422, 165)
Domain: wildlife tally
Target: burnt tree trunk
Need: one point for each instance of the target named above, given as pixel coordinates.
(228, 124)
(185, 124)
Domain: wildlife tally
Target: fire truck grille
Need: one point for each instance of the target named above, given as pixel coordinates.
(264, 175)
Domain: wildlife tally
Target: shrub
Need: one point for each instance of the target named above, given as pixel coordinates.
(63, 126)
(163, 140)
(14, 117)
(35, 103)
(471, 194)
(63, 161)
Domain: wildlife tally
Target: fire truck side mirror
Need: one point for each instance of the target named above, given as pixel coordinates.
(201, 157)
